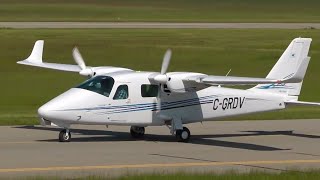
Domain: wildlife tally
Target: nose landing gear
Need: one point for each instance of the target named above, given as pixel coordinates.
(65, 135)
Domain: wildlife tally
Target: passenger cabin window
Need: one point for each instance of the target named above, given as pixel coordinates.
(121, 93)
(148, 90)
(99, 84)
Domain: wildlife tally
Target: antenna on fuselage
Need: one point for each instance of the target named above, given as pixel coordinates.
(226, 75)
(228, 72)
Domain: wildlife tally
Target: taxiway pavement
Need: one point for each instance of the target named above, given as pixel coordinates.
(275, 145)
(158, 25)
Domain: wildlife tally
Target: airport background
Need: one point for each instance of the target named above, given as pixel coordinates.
(248, 52)
(214, 51)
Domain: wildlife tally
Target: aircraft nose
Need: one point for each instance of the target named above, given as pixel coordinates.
(45, 112)
(53, 110)
(68, 107)
(49, 111)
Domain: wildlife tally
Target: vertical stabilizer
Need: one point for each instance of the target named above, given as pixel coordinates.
(294, 56)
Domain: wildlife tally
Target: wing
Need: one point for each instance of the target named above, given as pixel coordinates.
(35, 59)
(61, 67)
(232, 80)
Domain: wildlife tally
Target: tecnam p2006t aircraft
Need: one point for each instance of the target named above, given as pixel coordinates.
(120, 96)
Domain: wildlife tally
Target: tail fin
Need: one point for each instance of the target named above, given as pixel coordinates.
(295, 58)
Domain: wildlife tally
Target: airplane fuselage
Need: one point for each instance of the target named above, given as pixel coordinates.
(81, 106)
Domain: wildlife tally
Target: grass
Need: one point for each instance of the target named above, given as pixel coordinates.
(248, 52)
(164, 10)
(286, 175)
(230, 176)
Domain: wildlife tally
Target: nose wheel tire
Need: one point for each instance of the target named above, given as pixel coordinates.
(183, 135)
(64, 136)
(137, 132)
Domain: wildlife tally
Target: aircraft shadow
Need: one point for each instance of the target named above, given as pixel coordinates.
(287, 133)
(209, 140)
(75, 131)
(168, 138)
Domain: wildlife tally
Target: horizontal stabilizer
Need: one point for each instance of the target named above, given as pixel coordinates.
(302, 103)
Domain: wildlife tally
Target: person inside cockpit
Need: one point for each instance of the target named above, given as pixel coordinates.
(99, 84)
(106, 87)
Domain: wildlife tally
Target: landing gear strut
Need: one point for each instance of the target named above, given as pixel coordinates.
(182, 133)
(65, 135)
(137, 132)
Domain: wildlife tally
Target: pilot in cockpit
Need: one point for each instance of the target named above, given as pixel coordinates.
(105, 87)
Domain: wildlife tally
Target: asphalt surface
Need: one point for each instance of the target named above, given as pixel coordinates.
(163, 25)
(281, 145)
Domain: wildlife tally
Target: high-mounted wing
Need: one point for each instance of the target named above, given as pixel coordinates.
(295, 77)
(35, 59)
(231, 80)
(61, 67)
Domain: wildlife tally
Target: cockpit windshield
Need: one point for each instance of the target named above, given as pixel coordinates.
(99, 84)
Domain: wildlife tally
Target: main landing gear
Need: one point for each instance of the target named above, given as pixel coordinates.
(137, 132)
(65, 135)
(183, 135)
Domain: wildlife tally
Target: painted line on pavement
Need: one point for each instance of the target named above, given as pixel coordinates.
(160, 165)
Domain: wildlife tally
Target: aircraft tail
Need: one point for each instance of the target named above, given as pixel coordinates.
(295, 58)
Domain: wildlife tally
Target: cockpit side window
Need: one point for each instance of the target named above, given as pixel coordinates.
(99, 84)
(121, 93)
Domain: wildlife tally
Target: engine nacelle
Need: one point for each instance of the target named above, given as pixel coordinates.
(106, 69)
(176, 84)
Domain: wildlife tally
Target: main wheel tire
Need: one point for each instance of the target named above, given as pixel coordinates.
(137, 132)
(64, 136)
(183, 135)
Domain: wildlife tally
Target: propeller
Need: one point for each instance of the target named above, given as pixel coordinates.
(79, 60)
(166, 61)
(162, 77)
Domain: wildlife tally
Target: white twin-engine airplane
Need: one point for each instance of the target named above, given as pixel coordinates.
(120, 96)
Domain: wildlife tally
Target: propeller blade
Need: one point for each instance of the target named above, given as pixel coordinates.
(166, 61)
(78, 58)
